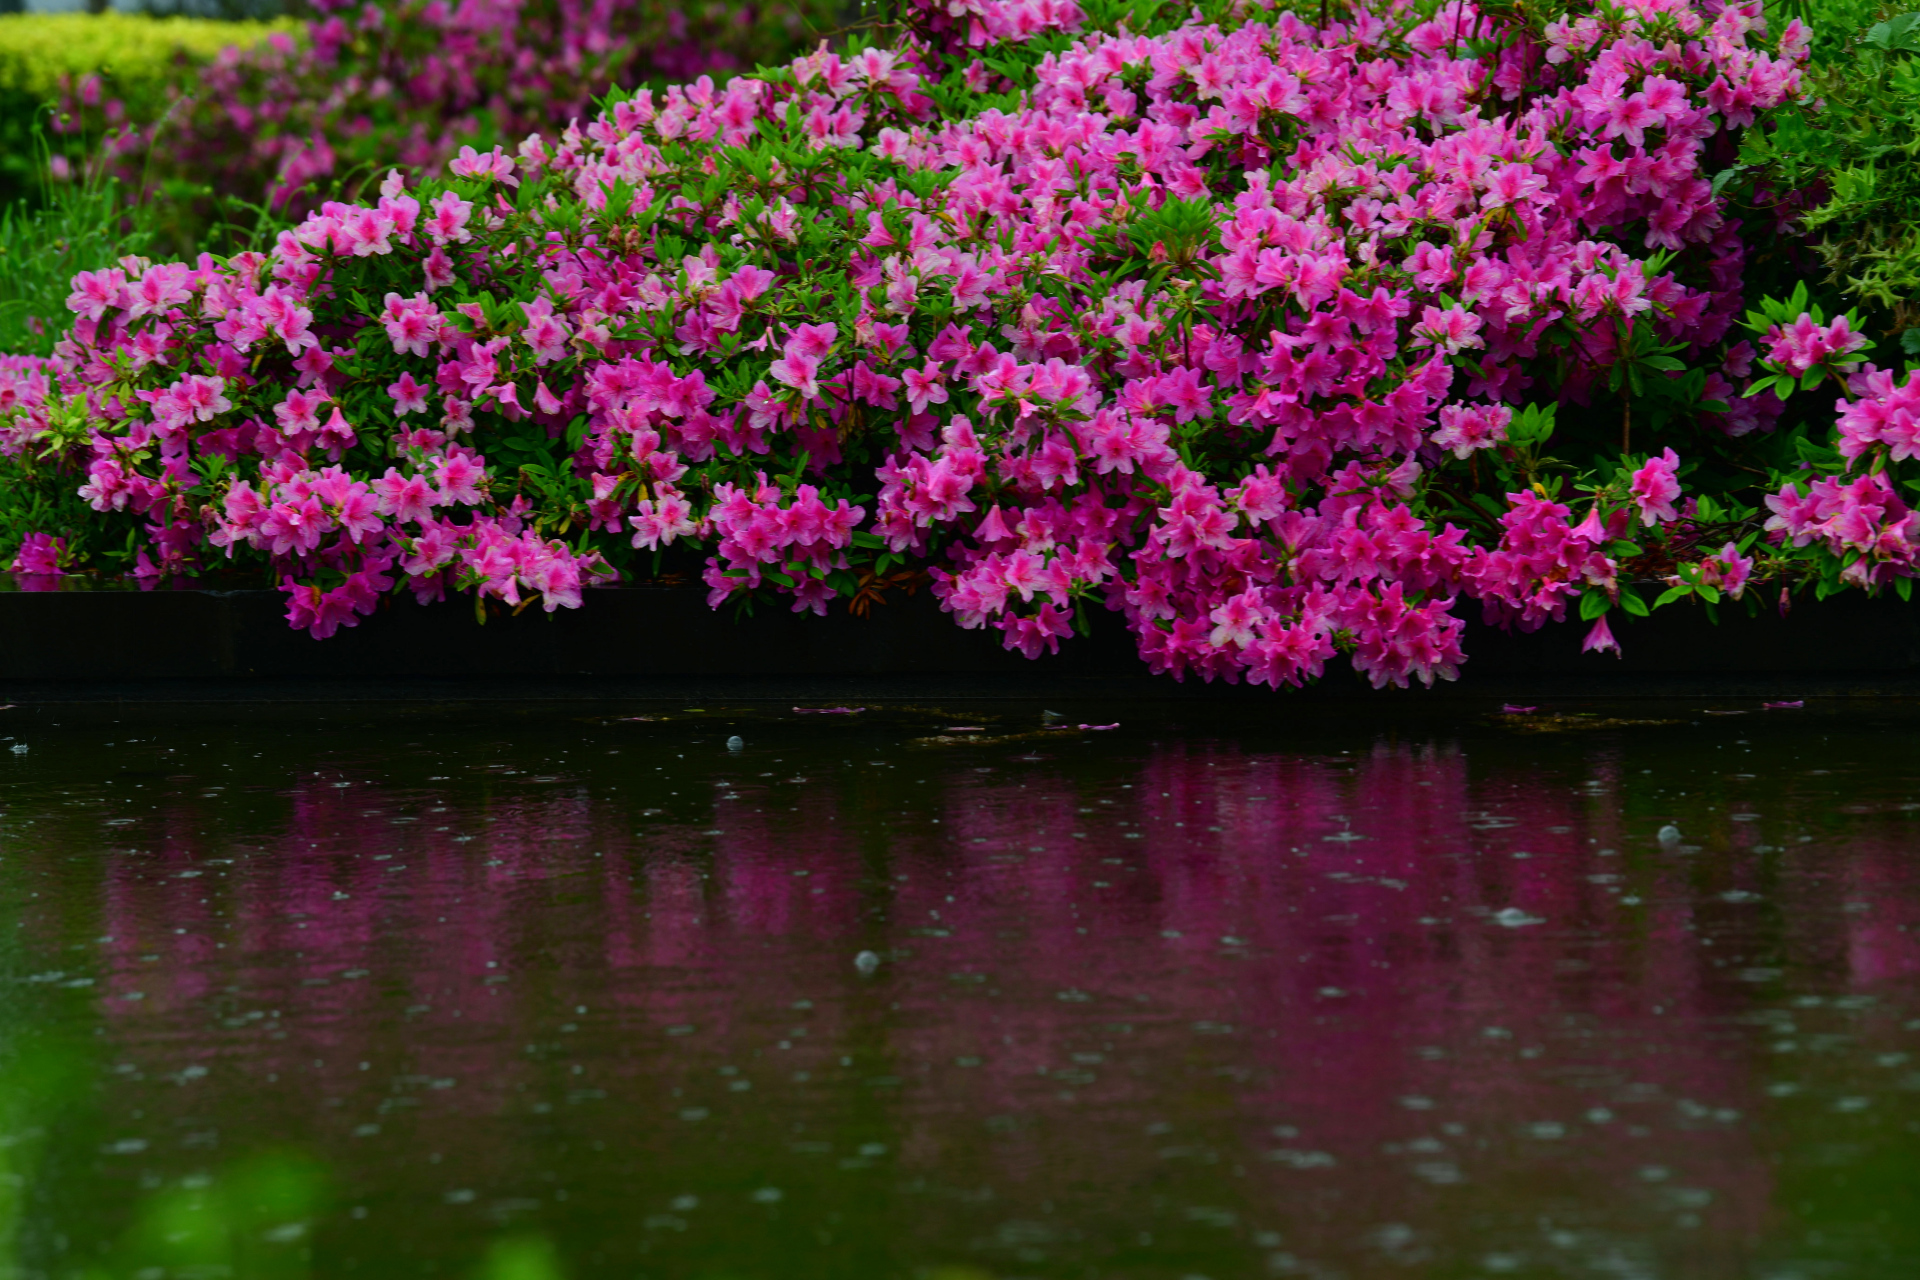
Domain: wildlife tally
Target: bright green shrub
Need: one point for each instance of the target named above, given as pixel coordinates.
(138, 59)
(38, 50)
(1847, 161)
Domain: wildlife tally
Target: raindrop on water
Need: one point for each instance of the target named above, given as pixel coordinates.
(866, 962)
(736, 743)
(1669, 834)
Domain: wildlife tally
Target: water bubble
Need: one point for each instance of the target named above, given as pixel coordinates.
(866, 962)
(1515, 918)
(1669, 834)
(736, 743)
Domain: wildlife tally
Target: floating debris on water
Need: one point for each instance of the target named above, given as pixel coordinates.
(1524, 721)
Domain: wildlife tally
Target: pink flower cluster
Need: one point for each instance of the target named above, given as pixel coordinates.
(39, 556)
(1805, 345)
(1864, 522)
(25, 384)
(1884, 416)
(804, 538)
(1542, 563)
(1199, 330)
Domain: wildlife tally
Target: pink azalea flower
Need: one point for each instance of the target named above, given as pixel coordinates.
(801, 372)
(1655, 488)
(458, 479)
(405, 498)
(39, 555)
(408, 395)
(447, 218)
(412, 324)
(493, 165)
(1600, 638)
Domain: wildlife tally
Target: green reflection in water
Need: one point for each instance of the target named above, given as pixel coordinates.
(253, 1219)
(522, 1257)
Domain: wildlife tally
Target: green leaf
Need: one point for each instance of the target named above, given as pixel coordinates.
(1819, 455)
(1898, 34)
(1593, 604)
(1631, 602)
(1671, 594)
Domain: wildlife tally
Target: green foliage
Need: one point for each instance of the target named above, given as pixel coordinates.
(1852, 152)
(79, 226)
(1899, 34)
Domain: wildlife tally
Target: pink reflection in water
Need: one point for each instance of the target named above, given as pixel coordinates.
(1344, 990)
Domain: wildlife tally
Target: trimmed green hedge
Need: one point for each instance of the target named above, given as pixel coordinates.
(137, 57)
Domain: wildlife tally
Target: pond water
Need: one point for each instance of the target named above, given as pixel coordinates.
(1266, 988)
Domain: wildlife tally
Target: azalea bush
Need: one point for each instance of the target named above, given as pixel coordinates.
(322, 109)
(1284, 338)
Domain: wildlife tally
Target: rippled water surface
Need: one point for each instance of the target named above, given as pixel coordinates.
(526, 992)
